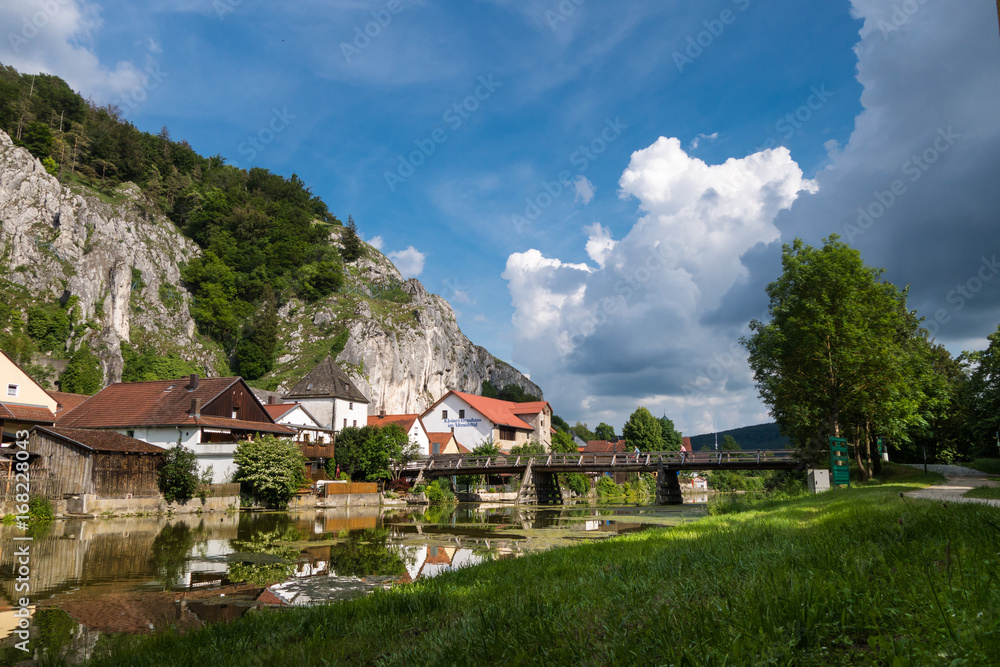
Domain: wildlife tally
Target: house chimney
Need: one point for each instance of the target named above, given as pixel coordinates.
(381, 413)
(270, 400)
(196, 407)
(193, 384)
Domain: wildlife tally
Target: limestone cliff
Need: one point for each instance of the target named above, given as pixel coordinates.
(404, 348)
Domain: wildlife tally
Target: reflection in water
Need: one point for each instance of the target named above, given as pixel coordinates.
(137, 574)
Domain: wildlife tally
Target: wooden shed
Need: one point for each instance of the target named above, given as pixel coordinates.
(102, 463)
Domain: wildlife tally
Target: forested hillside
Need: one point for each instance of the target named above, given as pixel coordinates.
(761, 436)
(265, 237)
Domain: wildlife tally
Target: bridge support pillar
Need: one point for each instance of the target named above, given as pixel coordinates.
(668, 487)
(539, 487)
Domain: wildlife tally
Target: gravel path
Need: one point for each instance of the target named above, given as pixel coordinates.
(948, 470)
(960, 480)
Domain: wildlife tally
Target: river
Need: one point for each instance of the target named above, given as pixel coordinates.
(90, 577)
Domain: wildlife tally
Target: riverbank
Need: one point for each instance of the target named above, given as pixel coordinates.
(847, 577)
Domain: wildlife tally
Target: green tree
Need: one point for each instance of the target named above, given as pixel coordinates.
(83, 374)
(558, 423)
(371, 453)
(488, 447)
(672, 438)
(984, 396)
(729, 444)
(271, 469)
(178, 478)
(644, 431)
(353, 247)
(488, 390)
(581, 431)
(563, 442)
(605, 432)
(835, 359)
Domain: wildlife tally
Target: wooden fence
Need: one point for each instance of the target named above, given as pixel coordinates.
(346, 488)
(47, 487)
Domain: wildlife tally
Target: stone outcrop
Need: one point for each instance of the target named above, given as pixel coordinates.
(123, 263)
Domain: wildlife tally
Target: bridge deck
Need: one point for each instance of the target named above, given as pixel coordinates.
(467, 464)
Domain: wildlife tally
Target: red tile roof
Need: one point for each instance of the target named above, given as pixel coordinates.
(66, 401)
(102, 441)
(502, 412)
(441, 438)
(26, 413)
(602, 446)
(279, 410)
(405, 422)
(686, 445)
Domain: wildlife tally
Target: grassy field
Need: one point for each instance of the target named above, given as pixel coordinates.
(856, 576)
(984, 492)
(990, 466)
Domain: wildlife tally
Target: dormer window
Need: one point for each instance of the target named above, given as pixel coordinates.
(13, 389)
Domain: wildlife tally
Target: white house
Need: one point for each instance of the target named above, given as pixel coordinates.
(330, 397)
(208, 416)
(23, 402)
(411, 424)
(474, 419)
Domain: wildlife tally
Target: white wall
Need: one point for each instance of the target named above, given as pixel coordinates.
(219, 456)
(470, 431)
(331, 413)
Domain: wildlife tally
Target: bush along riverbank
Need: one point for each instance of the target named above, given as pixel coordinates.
(853, 576)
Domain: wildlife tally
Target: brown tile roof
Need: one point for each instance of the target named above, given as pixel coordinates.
(686, 445)
(66, 401)
(102, 441)
(602, 446)
(404, 422)
(327, 380)
(156, 403)
(26, 413)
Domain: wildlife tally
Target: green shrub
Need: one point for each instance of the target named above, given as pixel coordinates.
(272, 469)
(439, 492)
(40, 509)
(178, 478)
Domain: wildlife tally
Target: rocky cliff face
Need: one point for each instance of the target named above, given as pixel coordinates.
(120, 261)
(404, 348)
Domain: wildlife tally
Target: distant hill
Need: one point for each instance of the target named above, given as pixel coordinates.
(762, 436)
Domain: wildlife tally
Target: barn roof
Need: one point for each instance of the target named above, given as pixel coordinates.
(102, 441)
(26, 413)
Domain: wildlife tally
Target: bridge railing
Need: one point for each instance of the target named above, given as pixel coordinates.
(457, 462)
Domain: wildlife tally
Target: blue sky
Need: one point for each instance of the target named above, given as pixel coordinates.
(628, 282)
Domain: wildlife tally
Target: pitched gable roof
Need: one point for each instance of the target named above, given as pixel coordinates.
(26, 413)
(66, 401)
(605, 446)
(279, 410)
(441, 438)
(158, 403)
(327, 380)
(504, 413)
(404, 422)
(102, 441)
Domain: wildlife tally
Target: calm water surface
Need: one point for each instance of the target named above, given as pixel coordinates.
(134, 575)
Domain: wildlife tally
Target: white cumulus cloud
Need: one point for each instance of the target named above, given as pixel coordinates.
(584, 190)
(410, 262)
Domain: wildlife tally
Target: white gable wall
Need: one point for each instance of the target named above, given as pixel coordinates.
(470, 431)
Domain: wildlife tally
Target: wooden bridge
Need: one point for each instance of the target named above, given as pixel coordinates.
(538, 470)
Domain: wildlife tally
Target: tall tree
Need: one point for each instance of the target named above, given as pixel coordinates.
(984, 395)
(672, 438)
(644, 431)
(835, 359)
(605, 431)
(352, 246)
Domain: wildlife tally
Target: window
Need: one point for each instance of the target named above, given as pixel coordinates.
(435, 448)
(461, 414)
(444, 414)
(12, 389)
(305, 438)
(236, 411)
(130, 434)
(350, 406)
(506, 432)
(345, 423)
(355, 423)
